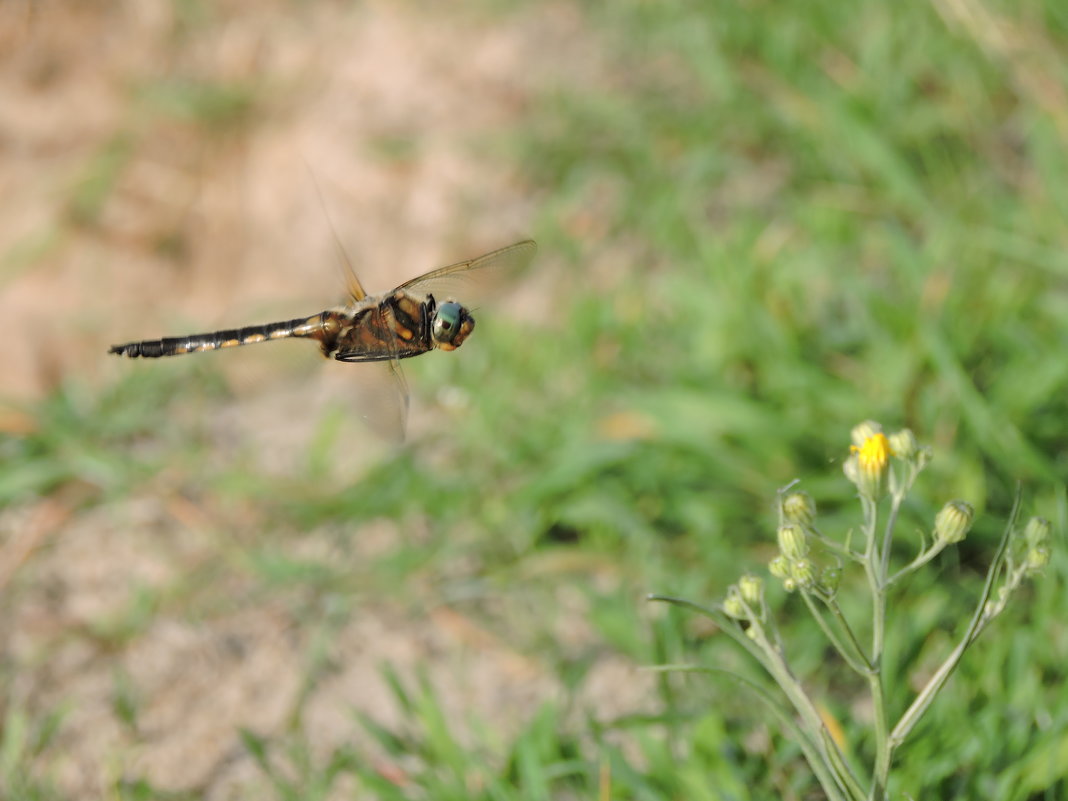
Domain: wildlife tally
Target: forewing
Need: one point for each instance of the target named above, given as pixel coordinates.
(352, 283)
(467, 281)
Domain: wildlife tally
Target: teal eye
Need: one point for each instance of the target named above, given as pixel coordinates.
(447, 322)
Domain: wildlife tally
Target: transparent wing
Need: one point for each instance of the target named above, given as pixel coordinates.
(382, 393)
(465, 281)
(382, 399)
(352, 283)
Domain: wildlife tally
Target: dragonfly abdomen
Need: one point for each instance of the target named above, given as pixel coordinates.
(232, 338)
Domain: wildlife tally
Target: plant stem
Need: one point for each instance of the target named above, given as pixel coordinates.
(853, 655)
(834, 547)
(830, 752)
(888, 535)
(918, 562)
(836, 610)
(883, 751)
(926, 696)
(835, 783)
(875, 560)
(774, 663)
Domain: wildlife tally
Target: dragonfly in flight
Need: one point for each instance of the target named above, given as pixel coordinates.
(404, 322)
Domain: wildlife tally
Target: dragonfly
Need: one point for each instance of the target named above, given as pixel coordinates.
(419, 316)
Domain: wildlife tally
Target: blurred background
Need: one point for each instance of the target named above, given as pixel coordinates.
(758, 224)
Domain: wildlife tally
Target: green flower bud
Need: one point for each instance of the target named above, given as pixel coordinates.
(830, 578)
(789, 585)
(953, 521)
(799, 508)
(779, 567)
(1037, 531)
(1037, 558)
(752, 589)
(804, 573)
(733, 605)
(903, 444)
(792, 542)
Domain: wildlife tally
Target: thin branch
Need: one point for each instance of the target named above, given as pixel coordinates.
(832, 784)
(926, 696)
(853, 656)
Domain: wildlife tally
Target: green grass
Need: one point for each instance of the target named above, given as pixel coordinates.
(773, 221)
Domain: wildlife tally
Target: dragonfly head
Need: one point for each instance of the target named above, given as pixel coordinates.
(452, 323)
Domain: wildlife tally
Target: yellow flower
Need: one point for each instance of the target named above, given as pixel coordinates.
(873, 455)
(870, 460)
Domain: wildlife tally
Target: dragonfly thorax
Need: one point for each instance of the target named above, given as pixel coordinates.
(451, 325)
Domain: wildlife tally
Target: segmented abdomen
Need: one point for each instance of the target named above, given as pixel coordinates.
(197, 343)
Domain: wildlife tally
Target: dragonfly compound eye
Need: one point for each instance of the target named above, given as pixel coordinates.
(451, 325)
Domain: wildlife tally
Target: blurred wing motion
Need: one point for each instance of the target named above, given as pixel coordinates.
(420, 315)
(464, 280)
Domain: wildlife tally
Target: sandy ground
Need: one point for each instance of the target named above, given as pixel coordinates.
(214, 219)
